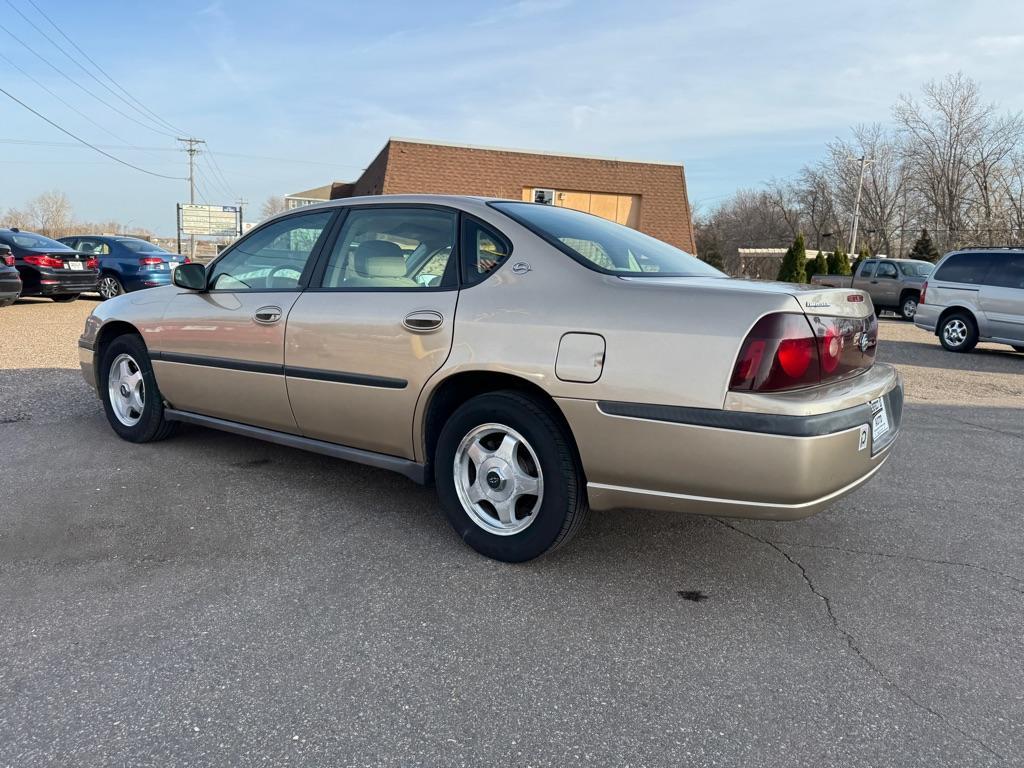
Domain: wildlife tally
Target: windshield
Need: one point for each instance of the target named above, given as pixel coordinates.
(32, 240)
(603, 245)
(140, 246)
(915, 268)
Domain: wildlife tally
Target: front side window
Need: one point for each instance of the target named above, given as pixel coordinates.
(273, 257)
(483, 250)
(970, 268)
(603, 245)
(97, 247)
(397, 248)
(885, 269)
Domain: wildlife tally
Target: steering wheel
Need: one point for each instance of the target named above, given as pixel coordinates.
(283, 268)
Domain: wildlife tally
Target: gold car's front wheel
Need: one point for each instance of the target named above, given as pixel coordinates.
(508, 477)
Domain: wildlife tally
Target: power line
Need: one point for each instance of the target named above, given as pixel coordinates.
(217, 171)
(167, 149)
(78, 64)
(100, 69)
(77, 84)
(86, 143)
(61, 100)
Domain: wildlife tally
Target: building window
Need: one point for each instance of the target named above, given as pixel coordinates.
(544, 196)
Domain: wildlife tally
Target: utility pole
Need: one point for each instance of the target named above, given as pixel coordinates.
(241, 203)
(192, 149)
(856, 208)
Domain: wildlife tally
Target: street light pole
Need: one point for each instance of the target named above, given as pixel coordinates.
(856, 208)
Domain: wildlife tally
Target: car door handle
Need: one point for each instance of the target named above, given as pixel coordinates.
(267, 315)
(423, 321)
(874, 282)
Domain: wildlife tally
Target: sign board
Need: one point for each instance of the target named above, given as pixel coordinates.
(211, 220)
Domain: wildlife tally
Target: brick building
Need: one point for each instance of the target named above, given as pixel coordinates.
(650, 197)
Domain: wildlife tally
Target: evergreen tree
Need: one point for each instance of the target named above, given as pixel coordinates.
(793, 268)
(864, 254)
(820, 264)
(711, 255)
(924, 248)
(838, 262)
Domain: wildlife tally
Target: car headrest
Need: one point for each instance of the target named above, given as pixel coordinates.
(379, 258)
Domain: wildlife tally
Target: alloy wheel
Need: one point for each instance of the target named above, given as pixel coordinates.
(498, 479)
(109, 287)
(955, 332)
(126, 390)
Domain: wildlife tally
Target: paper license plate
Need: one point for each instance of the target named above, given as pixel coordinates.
(74, 265)
(880, 419)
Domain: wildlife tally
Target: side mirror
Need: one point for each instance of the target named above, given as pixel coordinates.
(190, 276)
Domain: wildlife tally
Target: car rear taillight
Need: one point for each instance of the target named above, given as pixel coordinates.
(9, 260)
(92, 263)
(43, 260)
(924, 290)
(150, 261)
(789, 351)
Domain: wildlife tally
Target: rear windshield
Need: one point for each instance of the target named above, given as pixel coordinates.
(915, 268)
(141, 246)
(603, 245)
(32, 240)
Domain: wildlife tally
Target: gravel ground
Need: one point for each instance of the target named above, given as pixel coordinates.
(212, 600)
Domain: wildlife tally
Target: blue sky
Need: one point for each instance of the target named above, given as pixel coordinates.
(740, 92)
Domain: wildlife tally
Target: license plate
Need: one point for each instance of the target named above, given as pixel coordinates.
(74, 265)
(880, 420)
(171, 265)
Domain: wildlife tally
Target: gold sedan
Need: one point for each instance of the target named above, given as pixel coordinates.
(531, 361)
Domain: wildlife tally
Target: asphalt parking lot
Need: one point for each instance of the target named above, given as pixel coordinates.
(211, 600)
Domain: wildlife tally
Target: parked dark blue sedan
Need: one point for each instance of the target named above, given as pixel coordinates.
(126, 263)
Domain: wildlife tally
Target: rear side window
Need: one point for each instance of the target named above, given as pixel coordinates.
(1006, 271)
(393, 248)
(885, 269)
(483, 249)
(868, 268)
(970, 268)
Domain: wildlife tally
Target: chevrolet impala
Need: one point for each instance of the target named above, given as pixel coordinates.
(530, 361)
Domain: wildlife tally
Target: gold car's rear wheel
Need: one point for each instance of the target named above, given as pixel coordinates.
(498, 479)
(508, 477)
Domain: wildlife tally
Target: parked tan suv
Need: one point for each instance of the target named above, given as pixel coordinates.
(532, 361)
(975, 295)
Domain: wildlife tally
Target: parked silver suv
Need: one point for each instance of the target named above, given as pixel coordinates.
(975, 295)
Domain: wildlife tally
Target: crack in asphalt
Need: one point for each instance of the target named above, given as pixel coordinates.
(851, 641)
(986, 427)
(916, 558)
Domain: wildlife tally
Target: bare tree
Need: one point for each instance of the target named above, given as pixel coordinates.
(50, 213)
(272, 206)
(941, 137)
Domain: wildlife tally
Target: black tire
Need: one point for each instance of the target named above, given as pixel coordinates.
(958, 338)
(908, 306)
(151, 425)
(563, 503)
(1018, 349)
(65, 297)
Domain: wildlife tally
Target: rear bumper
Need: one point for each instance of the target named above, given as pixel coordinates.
(58, 282)
(736, 463)
(927, 316)
(142, 280)
(10, 287)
